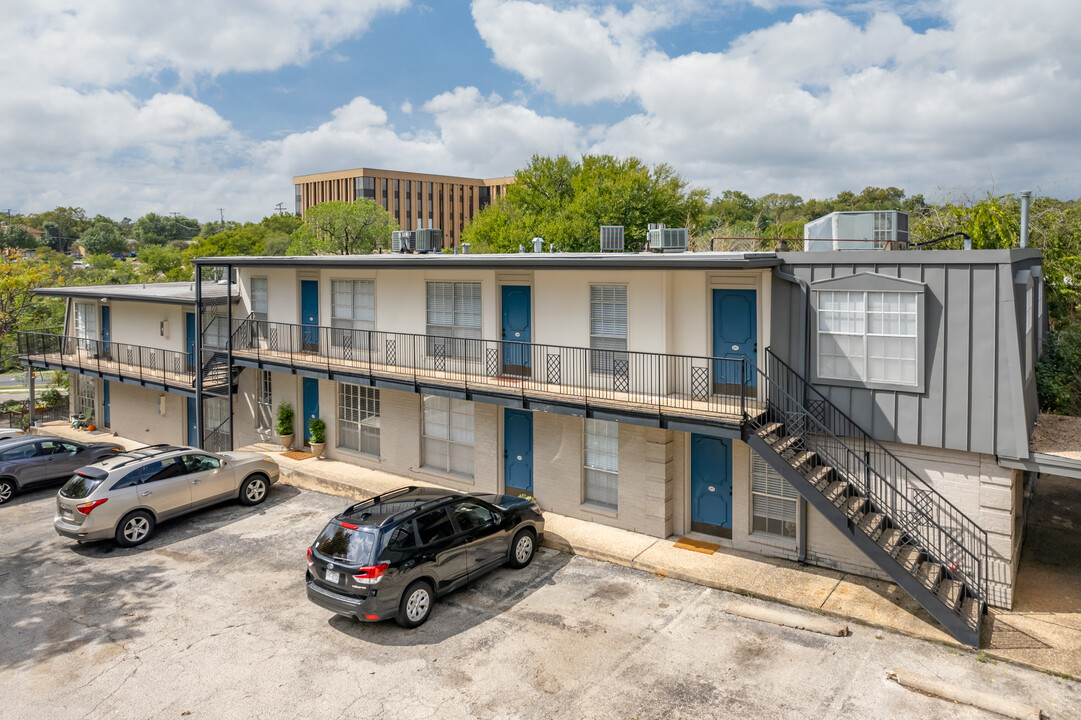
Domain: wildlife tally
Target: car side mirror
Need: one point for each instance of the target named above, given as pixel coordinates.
(497, 518)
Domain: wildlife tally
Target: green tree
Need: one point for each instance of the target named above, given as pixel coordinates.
(152, 229)
(103, 238)
(16, 237)
(341, 228)
(61, 225)
(20, 309)
(161, 263)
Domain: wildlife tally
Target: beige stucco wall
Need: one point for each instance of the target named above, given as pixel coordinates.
(134, 413)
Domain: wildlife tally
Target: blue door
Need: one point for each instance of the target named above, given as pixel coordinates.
(711, 485)
(518, 450)
(517, 327)
(189, 335)
(309, 316)
(193, 430)
(106, 331)
(105, 402)
(311, 404)
(735, 337)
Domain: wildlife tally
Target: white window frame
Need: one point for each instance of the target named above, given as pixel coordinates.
(260, 297)
(849, 318)
(85, 396)
(85, 325)
(607, 327)
(264, 402)
(447, 435)
(358, 418)
(773, 501)
(600, 464)
(358, 313)
(454, 310)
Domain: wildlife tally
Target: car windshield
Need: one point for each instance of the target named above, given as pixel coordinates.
(80, 486)
(352, 547)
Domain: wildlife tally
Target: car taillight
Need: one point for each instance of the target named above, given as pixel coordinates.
(309, 557)
(370, 575)
(86, 507)
(350, 526)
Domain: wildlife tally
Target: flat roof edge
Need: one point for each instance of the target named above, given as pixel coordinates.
(537, 261)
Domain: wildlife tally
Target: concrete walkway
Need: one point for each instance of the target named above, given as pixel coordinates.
(1045, 635)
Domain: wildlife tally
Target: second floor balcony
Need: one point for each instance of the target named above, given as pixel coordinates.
(649, 388)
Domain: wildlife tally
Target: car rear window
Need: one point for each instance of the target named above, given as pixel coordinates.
(80, 486)
(352, 547)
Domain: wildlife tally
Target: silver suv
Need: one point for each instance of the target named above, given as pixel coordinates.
(126, 496)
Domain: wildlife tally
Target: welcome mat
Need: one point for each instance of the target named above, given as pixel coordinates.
(298, 455)
(686, 543)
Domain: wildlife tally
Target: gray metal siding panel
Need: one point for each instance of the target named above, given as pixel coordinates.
(983, 360)
(931, 409)
(955, 390)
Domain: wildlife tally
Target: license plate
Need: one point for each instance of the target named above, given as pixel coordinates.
(332, 576)
(65, 513)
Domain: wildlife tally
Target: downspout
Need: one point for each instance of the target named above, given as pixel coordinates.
(1026, 199)
(803, 337)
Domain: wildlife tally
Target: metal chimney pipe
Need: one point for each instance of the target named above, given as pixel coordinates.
(465, 248)
(1026, 199)
(538, 245)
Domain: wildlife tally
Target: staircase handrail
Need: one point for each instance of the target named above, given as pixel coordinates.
(978, 555)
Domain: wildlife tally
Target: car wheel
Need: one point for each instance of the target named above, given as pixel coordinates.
(135, 529)
(416, 604)
(522, 549)
(254, 490)
(7, 490)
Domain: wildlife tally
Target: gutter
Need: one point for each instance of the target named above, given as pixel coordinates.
(801, 504)
(1046, 464)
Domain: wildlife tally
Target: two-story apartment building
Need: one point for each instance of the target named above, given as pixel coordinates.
(852, 410)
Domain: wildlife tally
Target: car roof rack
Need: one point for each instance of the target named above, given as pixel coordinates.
(142, 453)
(419, 507)
(379, 498)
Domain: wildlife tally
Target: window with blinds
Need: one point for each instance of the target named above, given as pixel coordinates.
(454, 319)
(352, 308)
(773, 501)
(608, 328)
(447, 435)
(601, 463)
(260, 306)
(358, 418)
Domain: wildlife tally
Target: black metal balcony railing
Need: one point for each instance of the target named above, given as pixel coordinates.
(136, 362)
(654, 383)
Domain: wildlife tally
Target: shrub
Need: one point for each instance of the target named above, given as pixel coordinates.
(53, 397)
(318, 430)
(1058, 375)
(285, 419)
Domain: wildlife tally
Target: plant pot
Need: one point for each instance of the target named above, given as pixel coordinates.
(317, 449)
(287, 442)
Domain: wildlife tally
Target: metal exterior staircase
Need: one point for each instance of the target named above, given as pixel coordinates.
(928, 547)
(219, 378)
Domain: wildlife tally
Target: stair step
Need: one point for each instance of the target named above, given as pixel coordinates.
(820, 477)
(835, 493)
(949, 592)
(929, 574)
(801, 459)
(890, 541)
(784, 444)
(910, 558)
(970, 611)
(872, 524)
(768, 429)
(853, 508)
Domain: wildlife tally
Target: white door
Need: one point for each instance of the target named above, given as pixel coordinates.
(86, 325)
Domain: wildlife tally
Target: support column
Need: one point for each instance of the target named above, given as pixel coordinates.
(199, 418)
(30, 373)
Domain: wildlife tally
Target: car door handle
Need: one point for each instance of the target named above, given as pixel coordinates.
(148, 492)
(194, 482)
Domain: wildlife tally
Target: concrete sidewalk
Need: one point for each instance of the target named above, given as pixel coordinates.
(1047, 639)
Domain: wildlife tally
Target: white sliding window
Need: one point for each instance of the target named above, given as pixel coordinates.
(358, 418)
(773, 501)
(447, 435)
(608, 328)
(454, 311)
(601, 463)
(352, 307)
(868, 336)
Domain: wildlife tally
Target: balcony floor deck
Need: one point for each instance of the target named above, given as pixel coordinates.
(106, 365)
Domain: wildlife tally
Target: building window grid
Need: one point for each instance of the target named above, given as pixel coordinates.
(601, 464)
(868, 336)
(773, 501)
(264, 402)
(352, 307)
(447, 435)
(454, 311)
(607, 327)
(84, 396)
(358, 418)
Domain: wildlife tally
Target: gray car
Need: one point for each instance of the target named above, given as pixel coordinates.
(126, 496)
(34, 460)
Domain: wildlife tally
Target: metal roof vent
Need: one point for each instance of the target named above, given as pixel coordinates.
(612, 238)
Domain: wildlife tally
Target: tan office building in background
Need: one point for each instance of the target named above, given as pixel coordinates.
(414, 199)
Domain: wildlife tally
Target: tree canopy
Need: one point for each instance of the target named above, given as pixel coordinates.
(565, 202)
(103, 238)
(342, 228)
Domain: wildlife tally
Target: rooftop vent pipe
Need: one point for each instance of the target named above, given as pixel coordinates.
(538, 245)
(465, 248)
(1026, 198)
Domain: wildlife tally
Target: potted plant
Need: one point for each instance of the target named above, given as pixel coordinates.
(285, 425)
(317, 429)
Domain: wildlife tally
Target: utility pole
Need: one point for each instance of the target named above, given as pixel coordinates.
(222, 211)
(280, 207)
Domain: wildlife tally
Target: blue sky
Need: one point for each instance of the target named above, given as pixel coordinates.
(125, 107)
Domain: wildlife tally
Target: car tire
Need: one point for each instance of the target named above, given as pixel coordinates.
(254, 489)
(522, 549)
(135, 528)
(7, 490)
(416, 604)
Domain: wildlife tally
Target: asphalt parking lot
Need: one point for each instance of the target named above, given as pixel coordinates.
(210, 620)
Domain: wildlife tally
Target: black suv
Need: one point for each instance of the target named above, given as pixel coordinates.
(393, 555)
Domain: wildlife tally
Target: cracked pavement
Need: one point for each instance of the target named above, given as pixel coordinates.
(210, 620)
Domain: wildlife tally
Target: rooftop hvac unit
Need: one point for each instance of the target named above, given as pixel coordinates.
(859, 230)
(666, 239)
(403, 241)
(612, 238)
(428, 240)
